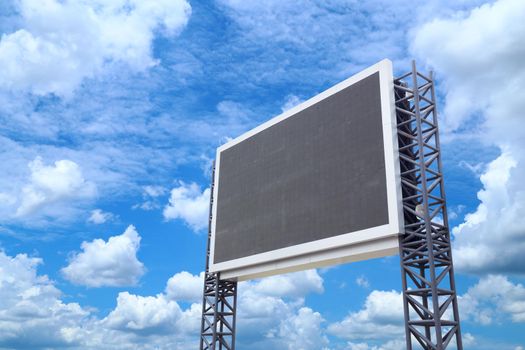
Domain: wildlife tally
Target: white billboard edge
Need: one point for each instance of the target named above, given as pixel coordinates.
(353, 246)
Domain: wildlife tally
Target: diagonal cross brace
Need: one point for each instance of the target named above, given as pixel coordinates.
(427, 269)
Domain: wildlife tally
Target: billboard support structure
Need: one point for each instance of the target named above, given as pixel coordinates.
(219, 303)
(427, 271)
(429, 291)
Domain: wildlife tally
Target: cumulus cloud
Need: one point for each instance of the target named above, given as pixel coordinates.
(153, 322)
(99, 217)
(381, 318)
(111, 263)
(32, 315)
(271, 312)
(31, 312)
(97, 54)
(143, 314)
(60, 43)
(50, 184)
(265, 317)
(480, 60)
(468, 64)
(379, 324)
(184, 286)
(190, 204)
(493, 299)
(292, 285)
(31, 304)
(303, 331)
(49, 191)
(491, 238)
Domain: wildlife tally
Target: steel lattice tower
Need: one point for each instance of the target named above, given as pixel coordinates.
(429, 291)
(219, 302)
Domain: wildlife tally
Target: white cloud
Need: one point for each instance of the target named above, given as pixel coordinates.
(234, 112)
(271, 312)
(62, 43)
(143, 314)
(154, 191)
(455, 212)
(150, 196)
(381, 318)
(363, 282)
(470, 67)
(31, 305)
(160, 322)
(111, 263)
(33, 316)
(296, 284)
(99, 217)
(97, 53)
(290, 102)
(479, 58)
(184, 286)
(389, 345)
(260, 315)
(150, 322)
(492, 299)
(48, 189)
(379, 325)
(31, 312)
(468, 339)
(188, 203)
(303, 331)
(110, 169)
(491, 238)
(337, 38)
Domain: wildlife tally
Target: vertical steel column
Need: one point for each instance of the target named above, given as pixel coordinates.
(429, 291)
(219, 302)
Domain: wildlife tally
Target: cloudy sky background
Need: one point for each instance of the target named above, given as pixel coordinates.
(110, 112)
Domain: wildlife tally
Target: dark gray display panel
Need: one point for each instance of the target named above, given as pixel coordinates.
(317, 174)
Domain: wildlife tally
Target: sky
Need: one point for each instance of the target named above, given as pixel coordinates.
(110, 114)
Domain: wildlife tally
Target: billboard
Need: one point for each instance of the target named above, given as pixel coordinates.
(315, 186)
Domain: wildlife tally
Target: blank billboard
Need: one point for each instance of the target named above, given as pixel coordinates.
(315, 186)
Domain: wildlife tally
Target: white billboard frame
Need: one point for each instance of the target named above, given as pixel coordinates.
(364, 244)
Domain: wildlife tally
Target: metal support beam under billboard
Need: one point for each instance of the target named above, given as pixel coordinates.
(219, 303)
(429, 291)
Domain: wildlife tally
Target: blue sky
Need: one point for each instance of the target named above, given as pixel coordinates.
(110, 112)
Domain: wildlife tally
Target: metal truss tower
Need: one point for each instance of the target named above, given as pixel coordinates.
(429, 291)
(219, 303)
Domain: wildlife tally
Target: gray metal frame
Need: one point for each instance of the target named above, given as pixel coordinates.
(219, 303)
(429, 291)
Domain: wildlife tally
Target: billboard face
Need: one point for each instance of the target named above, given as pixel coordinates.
(315, 186)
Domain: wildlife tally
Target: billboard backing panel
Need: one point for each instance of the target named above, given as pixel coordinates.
(314, 186)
